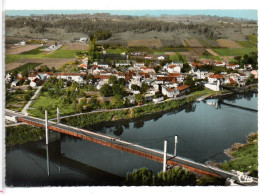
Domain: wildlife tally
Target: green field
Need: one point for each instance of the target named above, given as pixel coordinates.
(116, 51)
(49, 103)
(246, 44)
(234, 52)
(245, 158)
(253, 39)
(175, 58)
(61, 53)
(27, 66)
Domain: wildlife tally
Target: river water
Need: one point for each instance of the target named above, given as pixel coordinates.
(204, 130)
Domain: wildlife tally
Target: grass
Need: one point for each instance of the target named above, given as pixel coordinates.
(253, 39)
(175, 58)
(61, 53)
(33, 52)
(49, 103)
(245, 158)
(116, 51)
(246, 44)
(234, 52)
(207, 92)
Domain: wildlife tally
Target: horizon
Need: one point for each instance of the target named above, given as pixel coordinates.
(248, 14)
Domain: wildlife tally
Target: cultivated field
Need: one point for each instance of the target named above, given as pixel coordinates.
(212, 52)
(228, 43)
(50, 62)
(75, 46)
(193, 43)
(145, 43)
(14, 50)
(234, 52)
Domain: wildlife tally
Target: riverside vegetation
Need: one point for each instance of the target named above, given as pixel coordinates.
(130, 113)
(244, 156)
(22, 134)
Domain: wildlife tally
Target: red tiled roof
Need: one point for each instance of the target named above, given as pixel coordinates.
(196, 64)
(171, 89)
(218, 76)
(174, 74)
(232, 81)
(174, 80)
(82, 65)
(164, 78)
(101, 76)
(183, 87)
(71, 74)
(171, 66)
(22, 78)
(32, 75)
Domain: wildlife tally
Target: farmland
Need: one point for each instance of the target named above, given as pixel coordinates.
(234, 52)
(145, 43)
(27, 66)
(228, 43)
(49, 62)
(193, 43)
(14, 50)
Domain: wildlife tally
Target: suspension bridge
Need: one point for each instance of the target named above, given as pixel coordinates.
(126, 146)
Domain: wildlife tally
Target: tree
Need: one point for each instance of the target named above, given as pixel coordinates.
(251, 79)
(118, 89)
(139, 98)
(157, 68)
(112, 79)
(189, 81)
(53, 69)
(186, 68)
(140, 177)
(122, 81)
(176, 176)
(144, 88)
(106, 90)
(135, 87)
(118, 101)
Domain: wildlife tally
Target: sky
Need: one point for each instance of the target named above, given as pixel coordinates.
(245, 14)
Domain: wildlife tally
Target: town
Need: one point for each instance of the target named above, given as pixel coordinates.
(127, 79)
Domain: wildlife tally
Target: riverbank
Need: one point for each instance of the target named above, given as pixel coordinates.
(23, 134)
(89, 119)
(244, 157)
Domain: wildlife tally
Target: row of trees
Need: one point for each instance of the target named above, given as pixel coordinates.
(250, 58)
(174, 176)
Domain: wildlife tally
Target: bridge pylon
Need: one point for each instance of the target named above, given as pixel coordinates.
(164, 156)
(46, 128)
(58, 115)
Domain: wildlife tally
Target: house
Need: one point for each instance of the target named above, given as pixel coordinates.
(52, 48)
(232, 66)
(83, 66)
(77, 77)
(102, 65)
(14, 83)
(85, 60)
(255, 73)
(147, 70)
(148, 56)
(170, 92)
(122, 64)
(157, 100)
(139, 65)
(35, 82)
(161, 57)
(33, 76)
(148, 97)
(174, 68)
(220, 64)
(8, 78)
(213, 78)
(183, 89)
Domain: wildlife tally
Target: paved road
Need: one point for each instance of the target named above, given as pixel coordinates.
(24, 111)
(117, 141)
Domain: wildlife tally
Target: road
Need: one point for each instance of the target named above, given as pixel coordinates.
(158, 154)
(24, 111)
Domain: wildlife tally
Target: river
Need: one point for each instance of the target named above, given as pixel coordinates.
(203, 131)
